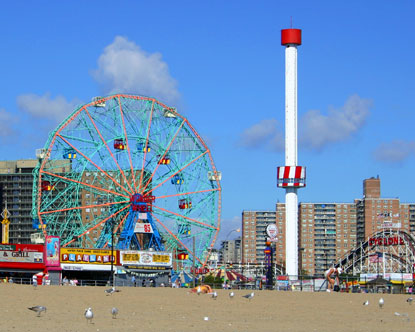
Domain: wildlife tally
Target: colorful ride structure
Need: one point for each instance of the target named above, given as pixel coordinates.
(130, 170)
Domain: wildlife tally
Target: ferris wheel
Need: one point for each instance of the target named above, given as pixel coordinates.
(129, 172)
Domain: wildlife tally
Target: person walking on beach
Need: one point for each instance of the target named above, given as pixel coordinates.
(332, 276)
(133, 280)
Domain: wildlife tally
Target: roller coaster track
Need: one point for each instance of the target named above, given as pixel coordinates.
(383, 251)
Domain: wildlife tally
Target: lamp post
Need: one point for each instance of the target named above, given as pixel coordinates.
(237, 230)
(300, 268)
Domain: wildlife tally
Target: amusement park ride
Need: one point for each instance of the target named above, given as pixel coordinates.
(130, 168)
(386, 251)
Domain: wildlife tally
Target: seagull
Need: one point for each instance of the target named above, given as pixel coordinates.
(114, 312)
(409, 300)
(111, 290)
(38, 309)
(381, 302)
(231, 295)
(214, 295)
(249, 296)
(89, 315)
(366, 302)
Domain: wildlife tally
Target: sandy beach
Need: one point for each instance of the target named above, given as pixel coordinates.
(166, 309)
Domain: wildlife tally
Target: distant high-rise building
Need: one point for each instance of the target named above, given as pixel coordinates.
(254, 224)
(327, 231)
(230, 251)
(16, 183)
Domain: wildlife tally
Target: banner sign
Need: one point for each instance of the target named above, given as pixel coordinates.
(143, 228)
(388, 276)
(22, 253)
(390, 224)
(386, 241)
(272, 231)
(87, 256)
(52, 246)
(145, 258)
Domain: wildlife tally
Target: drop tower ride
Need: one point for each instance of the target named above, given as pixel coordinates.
(291, 177)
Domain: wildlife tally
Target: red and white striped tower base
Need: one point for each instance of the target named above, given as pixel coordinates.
(291, 177)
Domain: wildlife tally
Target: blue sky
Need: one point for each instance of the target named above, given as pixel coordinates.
(221, 64)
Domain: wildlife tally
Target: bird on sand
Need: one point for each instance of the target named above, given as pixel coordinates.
(114, 312)
(214, 295)
(249, 296)
(38, 309)
(381, 302)
(409, 300)
(366, 302)
(231, 295)
(111, 290)
(89, 315)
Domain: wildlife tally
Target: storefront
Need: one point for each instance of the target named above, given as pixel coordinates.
(92, 266)
(21, 261)
(149, 268)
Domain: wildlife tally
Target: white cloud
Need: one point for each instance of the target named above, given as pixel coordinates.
(7, 121)
(45, 107)
(263, 134)
(395, 151)
(318, 130)
(125, 67)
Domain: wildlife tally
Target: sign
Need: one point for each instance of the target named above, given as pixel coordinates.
(21, 253)
(390, 224)
(87, 256)
(388, 276)
(145, 258)
(8, 247)
(386, 241)
(143, 228)
(272, 231)
(52, 246)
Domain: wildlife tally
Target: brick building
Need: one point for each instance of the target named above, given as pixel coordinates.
(327, 230)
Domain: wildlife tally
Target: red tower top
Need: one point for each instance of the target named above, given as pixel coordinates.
(291, 36)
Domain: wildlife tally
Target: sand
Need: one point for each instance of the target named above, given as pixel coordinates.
(166, 309)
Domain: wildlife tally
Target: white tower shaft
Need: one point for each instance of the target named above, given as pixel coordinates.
(291, 198)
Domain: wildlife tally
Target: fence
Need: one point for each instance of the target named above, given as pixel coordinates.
(282, 283)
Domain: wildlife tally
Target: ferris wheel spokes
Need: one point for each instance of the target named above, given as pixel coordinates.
(128, 145)
(83, 207)
(146, 146)
(96, 225)
(177, 172)
(91, 162)
(109, 150)
(84, 184)
(186, 193)
(163, 156)
(179, 241)
(186, 217)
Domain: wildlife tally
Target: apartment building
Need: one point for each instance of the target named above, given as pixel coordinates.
(375, 213)
(230, 251)
(327, 230)
(254, 224)
(16, 185)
